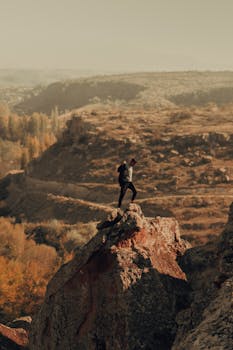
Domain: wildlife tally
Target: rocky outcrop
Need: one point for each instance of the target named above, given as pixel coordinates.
(15, 336)
(122, 290)
(208, 322)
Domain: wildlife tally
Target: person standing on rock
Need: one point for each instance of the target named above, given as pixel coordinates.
(126, 180)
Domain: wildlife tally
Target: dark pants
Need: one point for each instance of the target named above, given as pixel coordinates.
(124, 188)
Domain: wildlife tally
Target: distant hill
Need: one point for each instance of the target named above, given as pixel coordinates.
(70, 95)
(137, 89)
(220, 96)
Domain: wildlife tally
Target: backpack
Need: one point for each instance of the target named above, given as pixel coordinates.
(123, 171)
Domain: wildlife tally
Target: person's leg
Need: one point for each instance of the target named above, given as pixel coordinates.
(133, 189)
(122, 193)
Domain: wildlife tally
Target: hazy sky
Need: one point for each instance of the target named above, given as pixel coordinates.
(116, 35)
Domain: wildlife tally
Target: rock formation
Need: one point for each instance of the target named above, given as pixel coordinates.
(208, 322)
(125, 289)
(122, 290)
(15, 336)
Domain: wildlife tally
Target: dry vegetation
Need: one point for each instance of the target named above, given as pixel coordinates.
(26, 269)
(29, 256)
(64, 238)
(23, 138)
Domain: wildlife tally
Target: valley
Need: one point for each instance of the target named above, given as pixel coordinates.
(184, 168)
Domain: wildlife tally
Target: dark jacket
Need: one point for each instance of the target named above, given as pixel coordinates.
(123, 171)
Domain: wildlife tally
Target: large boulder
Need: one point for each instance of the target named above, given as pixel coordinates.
(122, 290)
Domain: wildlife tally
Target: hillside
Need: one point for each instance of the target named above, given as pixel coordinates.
(72, 95)
(137, 89)
(184, 168)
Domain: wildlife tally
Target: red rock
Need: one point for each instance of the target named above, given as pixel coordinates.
(13, 338)
(120, 294)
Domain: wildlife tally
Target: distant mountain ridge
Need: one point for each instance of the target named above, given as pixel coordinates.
(153, 89)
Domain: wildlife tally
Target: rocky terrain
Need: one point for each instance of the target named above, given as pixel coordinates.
(130, 292)
(208, 322)
(184, 169)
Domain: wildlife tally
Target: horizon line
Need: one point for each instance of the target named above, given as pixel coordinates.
(114, 71)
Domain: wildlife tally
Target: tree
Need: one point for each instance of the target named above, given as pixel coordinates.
(13, 128)
(43, 124)
(25, 269)
(34, 124)
(33, 147)
(3, 127)
(49, 139)
(54, 120)
(24, 159)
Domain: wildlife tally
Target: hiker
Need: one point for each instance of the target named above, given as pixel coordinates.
(125, 180)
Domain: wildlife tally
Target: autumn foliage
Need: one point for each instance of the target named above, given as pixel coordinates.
(25, 269)
(23, 138)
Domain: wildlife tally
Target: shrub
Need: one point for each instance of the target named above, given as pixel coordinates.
(25, 269)
(79, 235)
